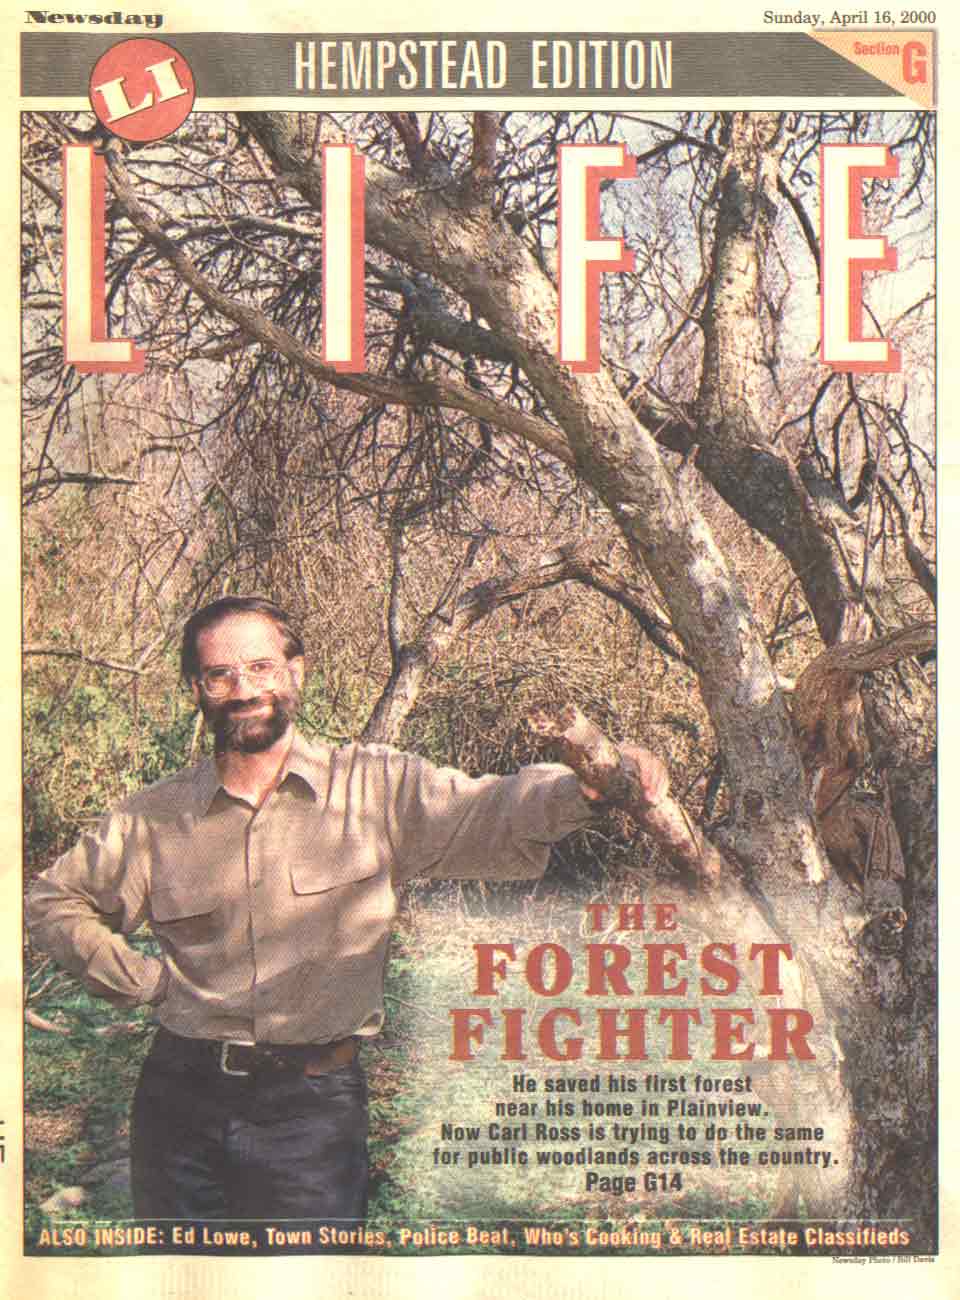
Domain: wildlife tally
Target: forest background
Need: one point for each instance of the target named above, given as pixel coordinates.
(470, 528)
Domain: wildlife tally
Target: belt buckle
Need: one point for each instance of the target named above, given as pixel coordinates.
(225, 1054)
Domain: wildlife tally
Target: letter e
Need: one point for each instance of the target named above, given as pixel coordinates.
(846, 253)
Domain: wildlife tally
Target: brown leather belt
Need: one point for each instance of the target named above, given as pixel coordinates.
(242, 1059)
(270, 1058)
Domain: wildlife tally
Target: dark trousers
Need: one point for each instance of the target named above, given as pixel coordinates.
(276, 1145)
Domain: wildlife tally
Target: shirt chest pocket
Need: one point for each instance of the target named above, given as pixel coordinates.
(347, 904)
(337, 873)
(185, 914)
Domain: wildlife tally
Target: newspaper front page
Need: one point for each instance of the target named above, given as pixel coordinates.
(573, 384)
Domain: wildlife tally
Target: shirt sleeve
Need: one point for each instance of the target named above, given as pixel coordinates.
(452, 826)
(79, 910)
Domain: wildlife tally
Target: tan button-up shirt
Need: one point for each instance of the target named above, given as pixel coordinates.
(274, 922)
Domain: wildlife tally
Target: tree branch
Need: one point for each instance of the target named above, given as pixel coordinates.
(828, 710)
(634, 779)
(63, 652)
(412, 661)
(915, 558)
(435, 390)
(483, 159)
(408, 129)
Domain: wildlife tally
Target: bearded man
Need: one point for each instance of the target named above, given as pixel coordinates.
(267, 874)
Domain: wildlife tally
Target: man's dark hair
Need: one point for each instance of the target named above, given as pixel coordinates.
(214, 613)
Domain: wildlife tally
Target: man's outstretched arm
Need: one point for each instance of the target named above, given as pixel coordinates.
(447, 825)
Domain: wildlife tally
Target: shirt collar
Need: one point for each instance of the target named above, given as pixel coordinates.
(206, 785)
(305, 762)
(308, 762)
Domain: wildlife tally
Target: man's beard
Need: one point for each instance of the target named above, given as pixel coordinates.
(255, 734)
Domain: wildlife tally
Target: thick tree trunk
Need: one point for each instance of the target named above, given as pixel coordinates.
(893, 1064)
(761, 483)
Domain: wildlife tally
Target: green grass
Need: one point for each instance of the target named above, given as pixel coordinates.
(77, 1095)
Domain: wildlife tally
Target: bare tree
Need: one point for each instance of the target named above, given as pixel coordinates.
(708, 394)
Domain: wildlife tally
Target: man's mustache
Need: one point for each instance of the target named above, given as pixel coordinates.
(256, 701)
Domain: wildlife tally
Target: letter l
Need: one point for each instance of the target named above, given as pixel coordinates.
(85, 342)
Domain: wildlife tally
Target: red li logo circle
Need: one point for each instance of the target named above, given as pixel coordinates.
(142, 89)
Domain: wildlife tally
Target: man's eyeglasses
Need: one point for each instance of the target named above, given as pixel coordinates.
(220, 680)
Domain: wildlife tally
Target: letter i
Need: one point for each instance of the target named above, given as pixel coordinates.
(343, 249)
